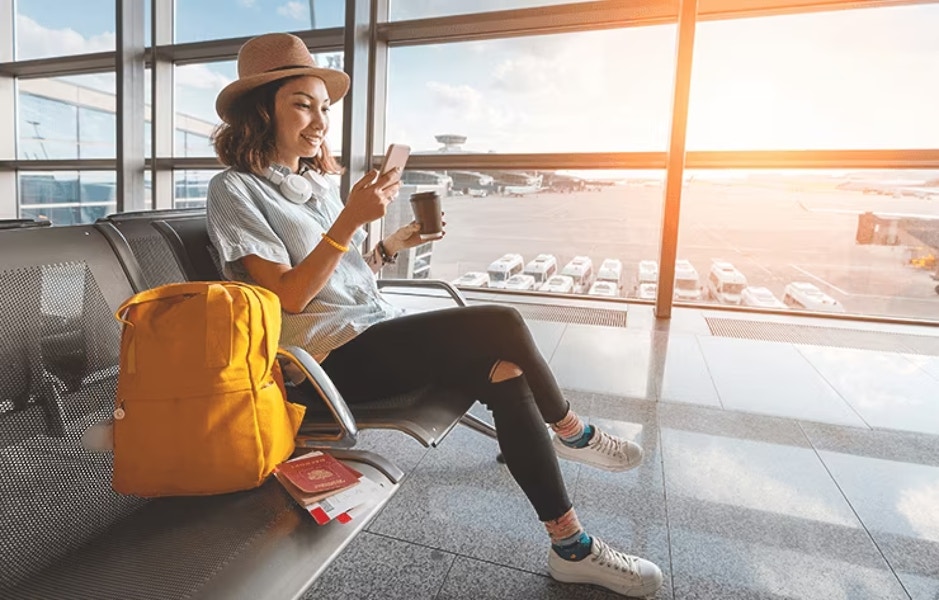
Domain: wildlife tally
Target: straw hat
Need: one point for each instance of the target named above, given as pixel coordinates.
(275, 56)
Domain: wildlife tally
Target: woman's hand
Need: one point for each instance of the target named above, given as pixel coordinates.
(369, 197)
(407, 237)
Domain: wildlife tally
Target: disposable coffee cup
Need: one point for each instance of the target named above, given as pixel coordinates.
(426, 207)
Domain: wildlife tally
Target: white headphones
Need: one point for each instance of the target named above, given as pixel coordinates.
(296, 188)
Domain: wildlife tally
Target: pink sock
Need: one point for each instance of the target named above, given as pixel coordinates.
(570, 428)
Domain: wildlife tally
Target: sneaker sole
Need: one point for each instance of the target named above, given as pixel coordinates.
(563, 452)
(630, 593)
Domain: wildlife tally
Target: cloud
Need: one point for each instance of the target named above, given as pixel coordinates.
(200, 77)
(247, 3)
(294, 10)
(524, 74)
(36, 41)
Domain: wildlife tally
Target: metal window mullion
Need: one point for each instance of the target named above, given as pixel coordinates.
(57, 66)
(591, 16)
(713, 10)
(8, 195)
(65, 164)
(318, 40)
(377, 102)
(752, 159)
(162, 104)
(355, 150)
(130, 104)
(583, 16)
(674, 174)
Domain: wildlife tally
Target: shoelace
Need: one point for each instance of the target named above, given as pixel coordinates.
(608, 557)
(607, 444)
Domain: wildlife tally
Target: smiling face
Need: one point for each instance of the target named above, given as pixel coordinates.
(301, 118)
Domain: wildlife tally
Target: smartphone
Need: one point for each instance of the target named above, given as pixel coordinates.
(397, 156)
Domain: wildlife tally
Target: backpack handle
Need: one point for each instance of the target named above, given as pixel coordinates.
(218, 331)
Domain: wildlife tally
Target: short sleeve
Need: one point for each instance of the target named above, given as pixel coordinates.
(237, 227)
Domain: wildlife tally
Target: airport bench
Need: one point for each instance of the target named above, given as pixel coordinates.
(173, 245)
(66, 533)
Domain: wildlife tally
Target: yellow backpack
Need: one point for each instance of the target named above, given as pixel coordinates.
(201, 407)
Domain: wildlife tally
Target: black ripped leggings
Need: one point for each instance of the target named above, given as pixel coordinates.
(459, 347)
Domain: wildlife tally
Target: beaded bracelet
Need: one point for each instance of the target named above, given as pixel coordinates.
(386, 259)
(334, 243)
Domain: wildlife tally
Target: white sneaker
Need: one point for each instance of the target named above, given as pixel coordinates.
(622, 573)
(603, 451)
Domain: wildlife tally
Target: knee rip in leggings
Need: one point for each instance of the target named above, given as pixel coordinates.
(503, 370)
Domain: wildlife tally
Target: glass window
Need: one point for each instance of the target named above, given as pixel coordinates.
(67, 197)
(46, 128)
(97, 133)
(197, 86)
(562, 228)
(65, 118)
(844, 79)
(191, 188)
(421, 9)
(190, 143)
(47, 28)
(198, 20)
(578, 92)
(859, 242)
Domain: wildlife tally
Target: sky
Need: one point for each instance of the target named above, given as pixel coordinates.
(841, 80)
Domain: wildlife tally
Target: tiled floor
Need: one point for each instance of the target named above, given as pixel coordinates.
(773, 470)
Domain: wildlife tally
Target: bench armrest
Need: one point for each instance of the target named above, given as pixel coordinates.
(454, 293)
(314, 435)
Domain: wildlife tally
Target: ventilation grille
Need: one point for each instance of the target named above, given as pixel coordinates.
(824, 336)
(571, 314)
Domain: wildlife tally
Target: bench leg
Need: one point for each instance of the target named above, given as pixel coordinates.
(480, 426)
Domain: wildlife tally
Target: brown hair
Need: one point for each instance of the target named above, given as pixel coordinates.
(247, 142)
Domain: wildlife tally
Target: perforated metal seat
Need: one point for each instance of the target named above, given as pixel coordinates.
(66, 534)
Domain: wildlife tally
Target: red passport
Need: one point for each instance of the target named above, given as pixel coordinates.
(318, 472)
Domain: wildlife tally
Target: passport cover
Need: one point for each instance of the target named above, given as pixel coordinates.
(318, 472)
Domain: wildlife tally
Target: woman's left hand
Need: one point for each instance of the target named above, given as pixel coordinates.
(406, 237)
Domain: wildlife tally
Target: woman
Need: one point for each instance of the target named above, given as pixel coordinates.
(293, 235)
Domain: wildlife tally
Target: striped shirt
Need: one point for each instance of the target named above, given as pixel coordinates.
(248, 214)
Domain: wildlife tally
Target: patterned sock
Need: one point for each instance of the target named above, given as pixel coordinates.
(575, 549)
(568, 538)
(572, 431)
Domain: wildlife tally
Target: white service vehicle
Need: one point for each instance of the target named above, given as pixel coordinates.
(611, 270)
(806, 296)
(542, 267)
(603, 288)
(559, 284)
(725, 282)
(648, 272)
(472, 279)
(647, 291)
(504, 267)
(520, 281)
(759, 297)
(580, 269)
(687, 282)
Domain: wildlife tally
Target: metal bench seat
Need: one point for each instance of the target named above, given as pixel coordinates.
(66, 533)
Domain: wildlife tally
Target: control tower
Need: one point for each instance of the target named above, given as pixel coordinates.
(451, 142)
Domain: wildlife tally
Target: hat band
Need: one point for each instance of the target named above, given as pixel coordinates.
(288, 67)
